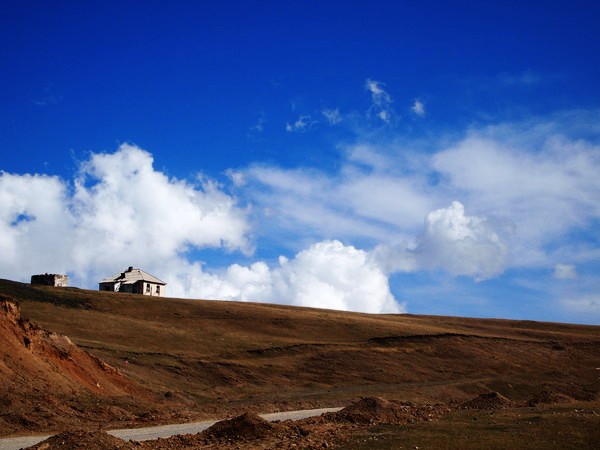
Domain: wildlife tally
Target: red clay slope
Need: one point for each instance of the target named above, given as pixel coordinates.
(46, 372)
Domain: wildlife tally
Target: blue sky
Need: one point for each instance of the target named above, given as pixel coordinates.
(377, 156)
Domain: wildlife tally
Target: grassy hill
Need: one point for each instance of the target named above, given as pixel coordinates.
(203, 359)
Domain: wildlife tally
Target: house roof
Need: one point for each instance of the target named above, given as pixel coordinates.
(131, 276)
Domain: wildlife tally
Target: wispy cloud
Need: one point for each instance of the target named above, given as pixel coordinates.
(379, 96)
(418, 108)
(302, 124)
(588, 304)
(259, 126)
(381, 101)
(48, 96)
(48, 100)
(333, 116)
(564, 272)
(527, 78)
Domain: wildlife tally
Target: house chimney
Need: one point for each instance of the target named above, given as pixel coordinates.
(130, 269)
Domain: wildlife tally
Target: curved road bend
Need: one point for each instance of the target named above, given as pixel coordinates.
(163, 431)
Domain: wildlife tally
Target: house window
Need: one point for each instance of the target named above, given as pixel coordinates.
(148, 289)
(157, 290)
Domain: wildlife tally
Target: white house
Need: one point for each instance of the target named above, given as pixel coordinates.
(134, 281)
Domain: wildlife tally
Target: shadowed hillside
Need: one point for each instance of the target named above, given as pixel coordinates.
(206, 359)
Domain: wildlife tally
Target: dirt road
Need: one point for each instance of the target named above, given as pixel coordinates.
(163, 431)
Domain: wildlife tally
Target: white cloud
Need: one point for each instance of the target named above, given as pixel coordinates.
(331, 275)
(564, 272)
(381, 101)
(379, 95)
(259, 126)
(461, 244)
(587, 304)
(398, 201)
(384, 115)
(534, 176)
(356, 203)
(328, 275)
(333, 116)
(453, 242)
(418, 108)
(35, 225)
(302, 124)
(121, 212)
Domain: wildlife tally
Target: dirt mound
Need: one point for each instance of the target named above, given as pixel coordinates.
(248, 426)
(377, 410)
(78, 439)
(545, 397)
(488, 400)
(562, 393)
(370, 409)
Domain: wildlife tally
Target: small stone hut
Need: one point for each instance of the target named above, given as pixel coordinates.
(134, 281)
(50, 279)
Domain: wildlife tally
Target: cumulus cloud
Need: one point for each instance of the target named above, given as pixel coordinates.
(453, 242)
(564, 272)
(328, 274)
(35, 225)
(118, 211)
(461, 244)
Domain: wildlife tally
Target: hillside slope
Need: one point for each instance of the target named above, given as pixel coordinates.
(208, 359)
(45, 375)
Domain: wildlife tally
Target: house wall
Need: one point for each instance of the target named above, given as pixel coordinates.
(141, 287)
(152, 289)
(50, 279)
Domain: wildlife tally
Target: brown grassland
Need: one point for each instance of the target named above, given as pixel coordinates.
(132, 361)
